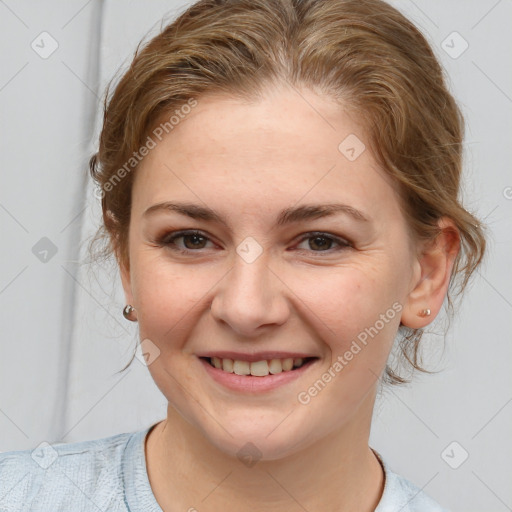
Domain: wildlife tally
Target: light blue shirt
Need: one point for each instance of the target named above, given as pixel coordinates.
(110, 474)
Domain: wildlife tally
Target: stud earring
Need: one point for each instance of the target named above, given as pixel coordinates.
(424, 312)
(127, 311)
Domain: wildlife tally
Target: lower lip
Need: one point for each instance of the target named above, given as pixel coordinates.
(250, 383)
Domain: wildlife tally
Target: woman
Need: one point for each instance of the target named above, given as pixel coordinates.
(279, 185)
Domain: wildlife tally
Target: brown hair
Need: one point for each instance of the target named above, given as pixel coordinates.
(363, 53)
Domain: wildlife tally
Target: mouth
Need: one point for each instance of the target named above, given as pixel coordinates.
(262, 368)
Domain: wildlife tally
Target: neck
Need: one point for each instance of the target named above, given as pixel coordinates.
(338, 473)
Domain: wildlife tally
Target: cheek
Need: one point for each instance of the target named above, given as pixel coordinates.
(167, 295)
(353, 304)
(341, 302)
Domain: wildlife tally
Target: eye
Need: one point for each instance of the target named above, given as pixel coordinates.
(194, 240)
(191, 239)
(322, 242)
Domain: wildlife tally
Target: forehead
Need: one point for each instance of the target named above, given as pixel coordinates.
(284, 123)
(289, 146)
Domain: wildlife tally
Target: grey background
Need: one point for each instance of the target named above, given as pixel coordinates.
(63, 335)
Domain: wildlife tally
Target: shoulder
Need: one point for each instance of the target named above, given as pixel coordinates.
(401, 494)
(84, 475)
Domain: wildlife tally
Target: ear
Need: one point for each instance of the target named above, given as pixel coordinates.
(431, 277)
(124, 271)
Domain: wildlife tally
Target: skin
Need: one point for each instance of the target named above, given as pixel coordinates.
(247, 161)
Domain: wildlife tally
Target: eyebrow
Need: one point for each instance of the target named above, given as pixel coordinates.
(286, 216)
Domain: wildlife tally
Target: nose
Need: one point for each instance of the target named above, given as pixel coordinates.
(251, 297)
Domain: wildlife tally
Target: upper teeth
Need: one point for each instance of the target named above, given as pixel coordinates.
(257, 368)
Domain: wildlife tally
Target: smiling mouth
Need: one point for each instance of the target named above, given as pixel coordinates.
(258, 368)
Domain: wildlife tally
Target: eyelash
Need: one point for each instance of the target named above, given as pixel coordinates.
(169, 241)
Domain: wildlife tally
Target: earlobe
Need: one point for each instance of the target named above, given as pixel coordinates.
(432, 276)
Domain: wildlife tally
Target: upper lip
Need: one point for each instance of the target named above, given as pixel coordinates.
(255, 356)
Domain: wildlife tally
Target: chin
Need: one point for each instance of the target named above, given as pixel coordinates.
(252, 442)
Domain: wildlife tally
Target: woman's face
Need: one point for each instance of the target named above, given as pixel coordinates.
(330, 287)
